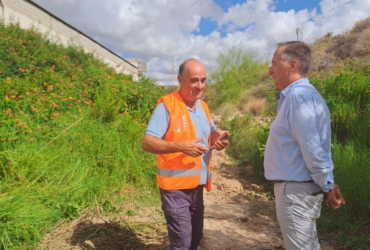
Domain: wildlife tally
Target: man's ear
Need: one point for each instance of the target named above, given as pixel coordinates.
(294, 65)
(180, 79)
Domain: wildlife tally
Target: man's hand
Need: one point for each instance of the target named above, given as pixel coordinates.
(192, 148)
(222, 141)
(334, 198)
(155, 145)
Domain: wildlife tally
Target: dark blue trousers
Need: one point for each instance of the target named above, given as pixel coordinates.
(184, 211)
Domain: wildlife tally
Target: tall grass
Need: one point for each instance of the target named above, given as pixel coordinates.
(70, 135)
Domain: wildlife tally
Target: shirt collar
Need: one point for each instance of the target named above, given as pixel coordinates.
(197, 107)
(286, 91)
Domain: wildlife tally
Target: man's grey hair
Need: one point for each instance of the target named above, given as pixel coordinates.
(299, 51)
(182, 67)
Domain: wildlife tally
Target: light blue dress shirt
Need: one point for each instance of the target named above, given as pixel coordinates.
(158, 126)
(298, 146)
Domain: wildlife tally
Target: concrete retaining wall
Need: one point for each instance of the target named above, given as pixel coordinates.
(29, 14)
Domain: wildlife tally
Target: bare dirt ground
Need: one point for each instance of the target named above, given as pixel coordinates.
(238, 216)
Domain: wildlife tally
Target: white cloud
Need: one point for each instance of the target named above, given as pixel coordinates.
(157, 30)
(252, 11)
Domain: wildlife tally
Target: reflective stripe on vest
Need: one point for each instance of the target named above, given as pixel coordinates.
(209, 175)
(178, 172)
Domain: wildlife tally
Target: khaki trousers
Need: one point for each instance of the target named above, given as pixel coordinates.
(298, 205)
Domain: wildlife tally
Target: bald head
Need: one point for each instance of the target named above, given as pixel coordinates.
(184, 66)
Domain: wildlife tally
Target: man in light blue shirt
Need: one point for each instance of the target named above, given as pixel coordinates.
(158, 126)
(183, 205)
(297, 155)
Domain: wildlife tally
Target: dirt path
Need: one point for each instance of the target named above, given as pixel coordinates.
(238, 216)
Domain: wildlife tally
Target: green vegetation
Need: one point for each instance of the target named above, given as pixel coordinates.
(342, 76)
(71, 128)
(347, 93)
(70, 134)
(238, 72)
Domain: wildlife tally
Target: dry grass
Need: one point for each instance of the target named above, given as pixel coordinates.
(323, 44)
(343, 45)
(227, 111)
(259, 91)
(255, 106)
(322, 59)
(362, 46)
(361, 25)
(343, 48)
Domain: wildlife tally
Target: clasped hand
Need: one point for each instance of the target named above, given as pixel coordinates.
(334, 198)
(194, 149)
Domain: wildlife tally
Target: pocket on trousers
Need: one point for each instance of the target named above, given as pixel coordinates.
(173, 222)
(307, 205)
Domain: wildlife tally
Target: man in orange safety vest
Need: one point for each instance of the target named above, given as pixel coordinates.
(182, 134)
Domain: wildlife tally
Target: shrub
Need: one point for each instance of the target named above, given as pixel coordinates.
(343, 45)
(226, 111)
(247, 141)
(360, 26)
(255, 106)
(237, 70)
(347, 94)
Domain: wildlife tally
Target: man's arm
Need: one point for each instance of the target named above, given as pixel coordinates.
(157, 128)
(219, 144)
(155, 145)
(304, 126)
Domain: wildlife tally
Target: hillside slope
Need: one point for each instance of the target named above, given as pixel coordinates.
(70, 135)
(350, 46)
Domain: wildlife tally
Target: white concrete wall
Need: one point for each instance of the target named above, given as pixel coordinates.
(29, 15)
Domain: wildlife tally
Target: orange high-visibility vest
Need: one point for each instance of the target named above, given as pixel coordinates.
(178, 170)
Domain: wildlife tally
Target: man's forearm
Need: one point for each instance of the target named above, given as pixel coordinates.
(154, 145)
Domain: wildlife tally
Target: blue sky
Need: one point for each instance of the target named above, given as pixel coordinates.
(280, 5)
(207, 25)
(297, 5)
(159, 31)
